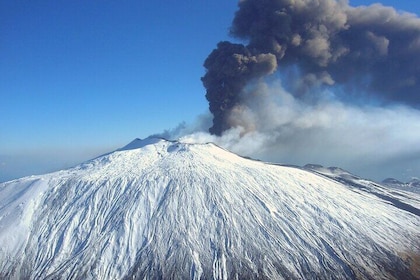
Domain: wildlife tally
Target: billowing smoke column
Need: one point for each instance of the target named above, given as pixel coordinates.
(229, 68)
(374, 50)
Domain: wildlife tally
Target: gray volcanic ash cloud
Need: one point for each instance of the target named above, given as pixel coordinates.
(365, 52)
(229, 69)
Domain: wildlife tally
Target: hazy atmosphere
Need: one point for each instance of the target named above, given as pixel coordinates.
(335, 84)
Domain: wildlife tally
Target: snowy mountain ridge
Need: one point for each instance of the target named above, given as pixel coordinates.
(413, 185)
(166, 209)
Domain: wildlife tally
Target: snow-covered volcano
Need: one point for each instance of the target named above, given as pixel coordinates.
(162, 209)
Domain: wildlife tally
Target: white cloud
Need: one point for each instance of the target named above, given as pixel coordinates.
(371, 141)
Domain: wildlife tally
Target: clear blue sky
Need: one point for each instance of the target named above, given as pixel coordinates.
(79, 78)
(82, 77)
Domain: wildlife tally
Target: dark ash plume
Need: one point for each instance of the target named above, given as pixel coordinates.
(374, 50)
(229, 68)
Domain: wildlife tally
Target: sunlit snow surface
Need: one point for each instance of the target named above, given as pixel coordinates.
(161, 209)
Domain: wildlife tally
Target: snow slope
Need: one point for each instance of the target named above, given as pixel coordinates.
(162, 209)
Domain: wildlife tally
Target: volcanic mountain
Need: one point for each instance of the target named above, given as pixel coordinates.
(159, 209)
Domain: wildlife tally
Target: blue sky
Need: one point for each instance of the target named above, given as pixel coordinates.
(83, 77)
(79, 78)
